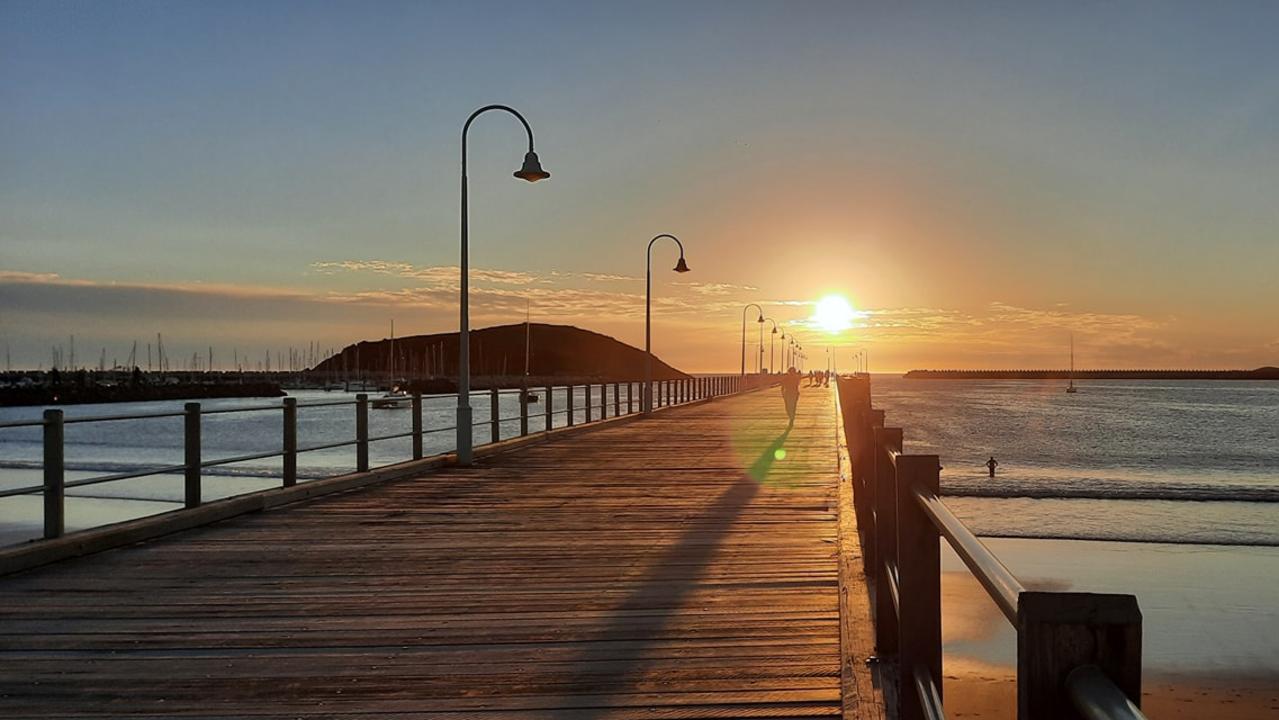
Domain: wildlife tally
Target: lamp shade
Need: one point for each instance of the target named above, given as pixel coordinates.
(532, 170)
(681, 266)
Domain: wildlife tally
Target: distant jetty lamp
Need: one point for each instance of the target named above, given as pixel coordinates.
(746, 307)
(646, 400)
(772, 338)
(531, 171)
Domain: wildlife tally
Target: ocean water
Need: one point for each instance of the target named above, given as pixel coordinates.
(1145, 461)
(104, 448)
(1167, 490)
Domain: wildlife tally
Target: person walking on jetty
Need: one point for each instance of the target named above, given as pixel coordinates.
(991, 464)
(790, 392)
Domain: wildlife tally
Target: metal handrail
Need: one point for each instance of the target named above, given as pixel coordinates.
(929, 694)
(1002, 586)
(1096, 696)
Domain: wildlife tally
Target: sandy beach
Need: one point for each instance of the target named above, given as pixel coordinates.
(1209, 650)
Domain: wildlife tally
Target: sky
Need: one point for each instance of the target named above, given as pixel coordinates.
(980, 182)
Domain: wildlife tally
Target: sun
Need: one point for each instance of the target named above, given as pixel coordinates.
(833, 314)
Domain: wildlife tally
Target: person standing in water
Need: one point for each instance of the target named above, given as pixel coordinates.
(991, 464)
(790, 392)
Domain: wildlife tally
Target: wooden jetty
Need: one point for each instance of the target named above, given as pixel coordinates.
(683, 565)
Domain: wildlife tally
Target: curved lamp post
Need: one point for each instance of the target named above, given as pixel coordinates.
(532, 172)
(772, 338)
(646, 402)
(746, 307)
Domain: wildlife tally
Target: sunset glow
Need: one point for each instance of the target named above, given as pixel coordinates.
(833, 314)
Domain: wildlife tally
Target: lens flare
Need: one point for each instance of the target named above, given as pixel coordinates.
(833, 314)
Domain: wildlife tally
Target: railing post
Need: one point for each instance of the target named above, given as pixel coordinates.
(362, 432)
(495, 410)
(570, 405)
(417, 426)
(919, 573)
(191, 445)
(550, 414)
(603, 401)
(886, 440)
(54, 475)
(290, 443)
(586, 403)
(617, 400)
(1058, 632)
(523, 409)
(630, 398)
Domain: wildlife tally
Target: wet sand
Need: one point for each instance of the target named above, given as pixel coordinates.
(1208, 614)
(984, 692)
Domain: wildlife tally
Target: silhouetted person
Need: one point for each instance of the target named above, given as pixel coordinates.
(790, 392)
(991, 464)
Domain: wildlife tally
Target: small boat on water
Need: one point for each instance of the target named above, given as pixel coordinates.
(396, 397)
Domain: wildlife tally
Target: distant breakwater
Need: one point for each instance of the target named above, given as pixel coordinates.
(74, 394)
(1265, 373)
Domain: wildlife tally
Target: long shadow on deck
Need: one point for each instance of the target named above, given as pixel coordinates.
(661, 592)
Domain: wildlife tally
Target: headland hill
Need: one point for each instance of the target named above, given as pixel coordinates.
(557, 354)
(1261, 373)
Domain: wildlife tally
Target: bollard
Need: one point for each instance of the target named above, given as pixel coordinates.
(523, 409)
(495, 409)
(1062, 635)
(886, 439)
(550, 416)
(290, 441)
(54, 475)
(362, 432)
(191, 445)
(417, 426)
(919, 578)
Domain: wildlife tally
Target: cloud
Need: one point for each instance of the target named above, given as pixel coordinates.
(438, 274)
(714, 288)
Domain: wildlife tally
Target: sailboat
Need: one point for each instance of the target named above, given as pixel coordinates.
(1070, 388)
(396, 397)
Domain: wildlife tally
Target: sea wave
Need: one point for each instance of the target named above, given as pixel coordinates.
(1178, 492)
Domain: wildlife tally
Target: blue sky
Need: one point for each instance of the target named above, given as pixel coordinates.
(274, 173)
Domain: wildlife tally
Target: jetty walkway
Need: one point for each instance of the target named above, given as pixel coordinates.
(683, 565)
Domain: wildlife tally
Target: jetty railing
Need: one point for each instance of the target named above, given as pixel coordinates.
(1078, 654)
(597, 406)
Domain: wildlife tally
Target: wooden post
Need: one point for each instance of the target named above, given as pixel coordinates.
(886, 439)
(191, 447)
(362, 432)
(630, 398)
(586, 403)
(54, 475)
(550, 415)
(495, 415)
(919, 571)
(603, 401)
(1058, 632)
(523, 409)
(617, 400)
(290, 441)
(417, 426)
(570, 405)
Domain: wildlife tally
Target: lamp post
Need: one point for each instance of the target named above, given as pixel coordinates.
(680, 267)
(531, 171)
(746, 307)
(771, 339)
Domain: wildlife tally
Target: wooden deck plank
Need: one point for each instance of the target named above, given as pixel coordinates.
(676, 567)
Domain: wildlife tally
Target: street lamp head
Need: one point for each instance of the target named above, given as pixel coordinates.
(774, 331)
(681, 266)
(532, 170)
(761, 319)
